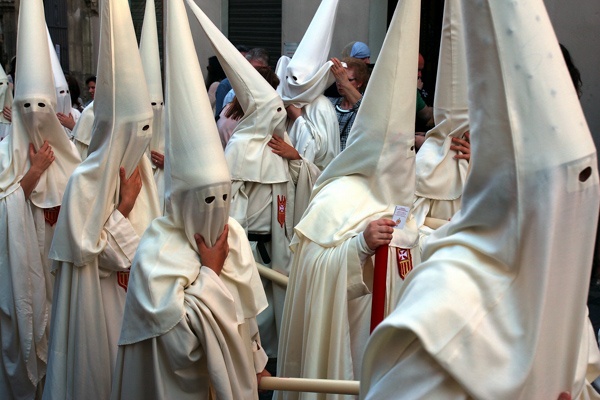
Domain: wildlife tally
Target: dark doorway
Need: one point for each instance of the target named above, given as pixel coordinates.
(256, 24)
(57, 22)
(432, 14)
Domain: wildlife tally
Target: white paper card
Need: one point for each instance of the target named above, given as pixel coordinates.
(400, 216)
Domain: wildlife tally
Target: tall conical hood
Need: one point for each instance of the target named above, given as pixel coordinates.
(63, 97)
(306, 75)
(439, 175)
(121, 132)
(151, 63)
(512, 267)
(248, 155)
(6, 97)
(33, 113)
(380, 150)
(196, 168)
(34, 67)
(197, 179)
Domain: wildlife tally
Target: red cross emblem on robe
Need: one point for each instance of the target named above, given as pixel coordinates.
(123, 279)
(404, 259)
(281, 200)
(51, 215)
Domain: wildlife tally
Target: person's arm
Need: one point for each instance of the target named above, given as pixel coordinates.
(352, 94)
(419, 140)
(283, 149)
(66, 120)
(426, 114)
(462, 147)
(7, 113)
(129, 190)
(213, 257)
(40, 161)
(158, 159)
(379, 233)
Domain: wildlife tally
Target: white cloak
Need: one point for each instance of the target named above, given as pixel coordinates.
(315, 134)
(23, 305)
(188, 324)
(327, 339)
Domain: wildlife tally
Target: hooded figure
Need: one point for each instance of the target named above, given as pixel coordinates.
(497, 309)
(193, 322)
(64, 105)
(24, 301)
(6, 99)
(63, 97)
(151, 63)
(102, 220)
(440, 176)
(327, 307)
(314, 129)
(269, 193)
(82, 132)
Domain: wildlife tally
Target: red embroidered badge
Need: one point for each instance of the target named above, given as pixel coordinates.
(51, 215)
(281, 200)
(123, 279)
(404, 259)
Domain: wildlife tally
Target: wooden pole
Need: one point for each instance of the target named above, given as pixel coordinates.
(272, 275)
(379, 286)
(309, 385)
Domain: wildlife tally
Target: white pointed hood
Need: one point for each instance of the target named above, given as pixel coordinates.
(360, 184)
(6, 96)
(63, 97)
(248, 155)
(196, 171)
(151, 63)
(509, 274)
(306, 75)
(34, 115)
(439, 175)
(122, 130)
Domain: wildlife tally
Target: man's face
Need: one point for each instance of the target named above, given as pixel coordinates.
(92, 88)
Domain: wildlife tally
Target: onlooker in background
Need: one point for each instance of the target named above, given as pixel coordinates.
(573, 71)
(351, 81)
(233, 112)
(213, 79)
(357, 50)
(75, 92)
(424, 120)
(224, 87)
(258, 57)
(420, 87)
(90, 82)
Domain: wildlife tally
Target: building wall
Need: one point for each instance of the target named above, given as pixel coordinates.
(577, 26)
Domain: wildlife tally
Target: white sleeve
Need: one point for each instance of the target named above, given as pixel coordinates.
(121, 243)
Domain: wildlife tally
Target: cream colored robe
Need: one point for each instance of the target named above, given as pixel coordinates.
(88, 305)
(87, 314)
(82, 132)
(23, 306)
(315, 134)
(328, 307)
(212, 344)
(256, 207)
